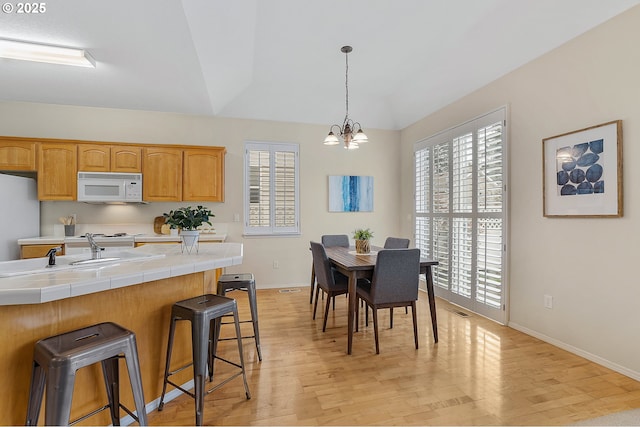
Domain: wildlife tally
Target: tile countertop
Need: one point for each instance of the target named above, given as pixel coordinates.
(138, 238)
(164, 261)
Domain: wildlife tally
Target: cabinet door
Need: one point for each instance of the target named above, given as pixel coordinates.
(38, 251)
(162, 174)
(203, 175)
(126, 159)
(17, 155)
(94, 158)
(57, 171)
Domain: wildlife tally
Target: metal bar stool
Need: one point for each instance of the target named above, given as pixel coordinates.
(202, 311)
(242, 282)
(56, 360)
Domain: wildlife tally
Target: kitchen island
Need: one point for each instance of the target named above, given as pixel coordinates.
(135, 293)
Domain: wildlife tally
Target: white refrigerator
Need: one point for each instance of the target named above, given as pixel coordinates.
(20, 217)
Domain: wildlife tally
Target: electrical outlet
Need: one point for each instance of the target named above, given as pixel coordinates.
(276, 264)
(548, 301)
(236, 217)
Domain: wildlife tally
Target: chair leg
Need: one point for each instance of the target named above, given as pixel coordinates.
(315, 306)
(313, 284)
(375, 328)
(415, 322)
(326, 313)
(391, 318)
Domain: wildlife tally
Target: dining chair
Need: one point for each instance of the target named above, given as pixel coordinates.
(396, 243)
(329, 240)
(331, 284)
(394, 284)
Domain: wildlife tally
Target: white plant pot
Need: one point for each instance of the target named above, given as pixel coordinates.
(189, 239)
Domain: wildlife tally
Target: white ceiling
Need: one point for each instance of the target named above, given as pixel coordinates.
(280, 59)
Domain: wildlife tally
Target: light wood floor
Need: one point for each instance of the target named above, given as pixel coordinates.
(480, 373)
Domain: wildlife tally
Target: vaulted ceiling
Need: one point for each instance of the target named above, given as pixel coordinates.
(280, 59)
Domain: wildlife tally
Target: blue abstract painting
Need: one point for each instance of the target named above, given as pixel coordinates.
(349, 193)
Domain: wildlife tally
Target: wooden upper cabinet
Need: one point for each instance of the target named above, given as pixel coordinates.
(203, 174)
(17, 155)
(57, 171)
(109, 158)
(94, 158)
(126, 158)
(161, 174)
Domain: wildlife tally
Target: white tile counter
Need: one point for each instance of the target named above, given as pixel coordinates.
(165, 261)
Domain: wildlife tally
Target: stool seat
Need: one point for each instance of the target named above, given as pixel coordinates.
(243, 282)
(56, 360)
(204, 313)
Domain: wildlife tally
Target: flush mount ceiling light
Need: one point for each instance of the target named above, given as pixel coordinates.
(350, 131)
(25, 51)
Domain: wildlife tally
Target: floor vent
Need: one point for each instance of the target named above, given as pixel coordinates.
(288, 291)
(460, 313)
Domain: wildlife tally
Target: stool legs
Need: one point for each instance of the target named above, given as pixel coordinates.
(200, 347)
(253, 307)
(254, 318)
(111, 376)
(204, 313)
(36, 393)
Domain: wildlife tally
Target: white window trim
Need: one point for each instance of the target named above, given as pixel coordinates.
(272, 147)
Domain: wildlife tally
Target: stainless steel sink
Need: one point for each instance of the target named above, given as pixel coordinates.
(94, 261)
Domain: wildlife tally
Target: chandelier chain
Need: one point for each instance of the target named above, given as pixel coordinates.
(346, 85)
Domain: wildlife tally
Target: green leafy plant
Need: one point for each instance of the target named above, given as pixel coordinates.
(188, 218)
(362, 234)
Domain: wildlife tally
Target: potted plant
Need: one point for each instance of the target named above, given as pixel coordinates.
(362, 237)
(188, 219)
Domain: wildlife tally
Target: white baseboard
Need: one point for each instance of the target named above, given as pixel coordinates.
(575, 350)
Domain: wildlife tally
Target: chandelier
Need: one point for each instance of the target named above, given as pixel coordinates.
(350, 131)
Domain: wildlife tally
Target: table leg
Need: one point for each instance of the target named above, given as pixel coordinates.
(432, 303)
(352, 309)
(313, 283)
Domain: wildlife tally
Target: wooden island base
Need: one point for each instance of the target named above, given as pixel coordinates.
(144, 309)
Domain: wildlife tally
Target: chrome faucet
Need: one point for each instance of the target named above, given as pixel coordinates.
(96, 251)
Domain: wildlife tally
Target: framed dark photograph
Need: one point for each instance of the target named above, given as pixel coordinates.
(582, 172)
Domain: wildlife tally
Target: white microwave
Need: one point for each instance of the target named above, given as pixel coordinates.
(105, 187)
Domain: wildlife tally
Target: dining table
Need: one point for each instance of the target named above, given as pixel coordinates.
(360, 266)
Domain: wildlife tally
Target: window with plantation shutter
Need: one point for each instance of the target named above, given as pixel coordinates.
(460, 212)
(271, 189)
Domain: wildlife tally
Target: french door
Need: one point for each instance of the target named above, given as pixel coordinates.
(460, 212)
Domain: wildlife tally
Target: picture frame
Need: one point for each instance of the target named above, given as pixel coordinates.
(575, 168)
(350, 193)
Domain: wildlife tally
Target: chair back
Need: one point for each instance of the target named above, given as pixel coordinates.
(329, 240)
(322, 265)
(396, 276)
(396, 243)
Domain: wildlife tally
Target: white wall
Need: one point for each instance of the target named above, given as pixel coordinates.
(379, 158)
(587, 265)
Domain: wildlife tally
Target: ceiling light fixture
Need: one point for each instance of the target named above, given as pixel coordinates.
(350, 131)
(25, 51)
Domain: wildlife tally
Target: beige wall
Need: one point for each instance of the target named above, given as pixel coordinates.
(380, 159)
(587, 265)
